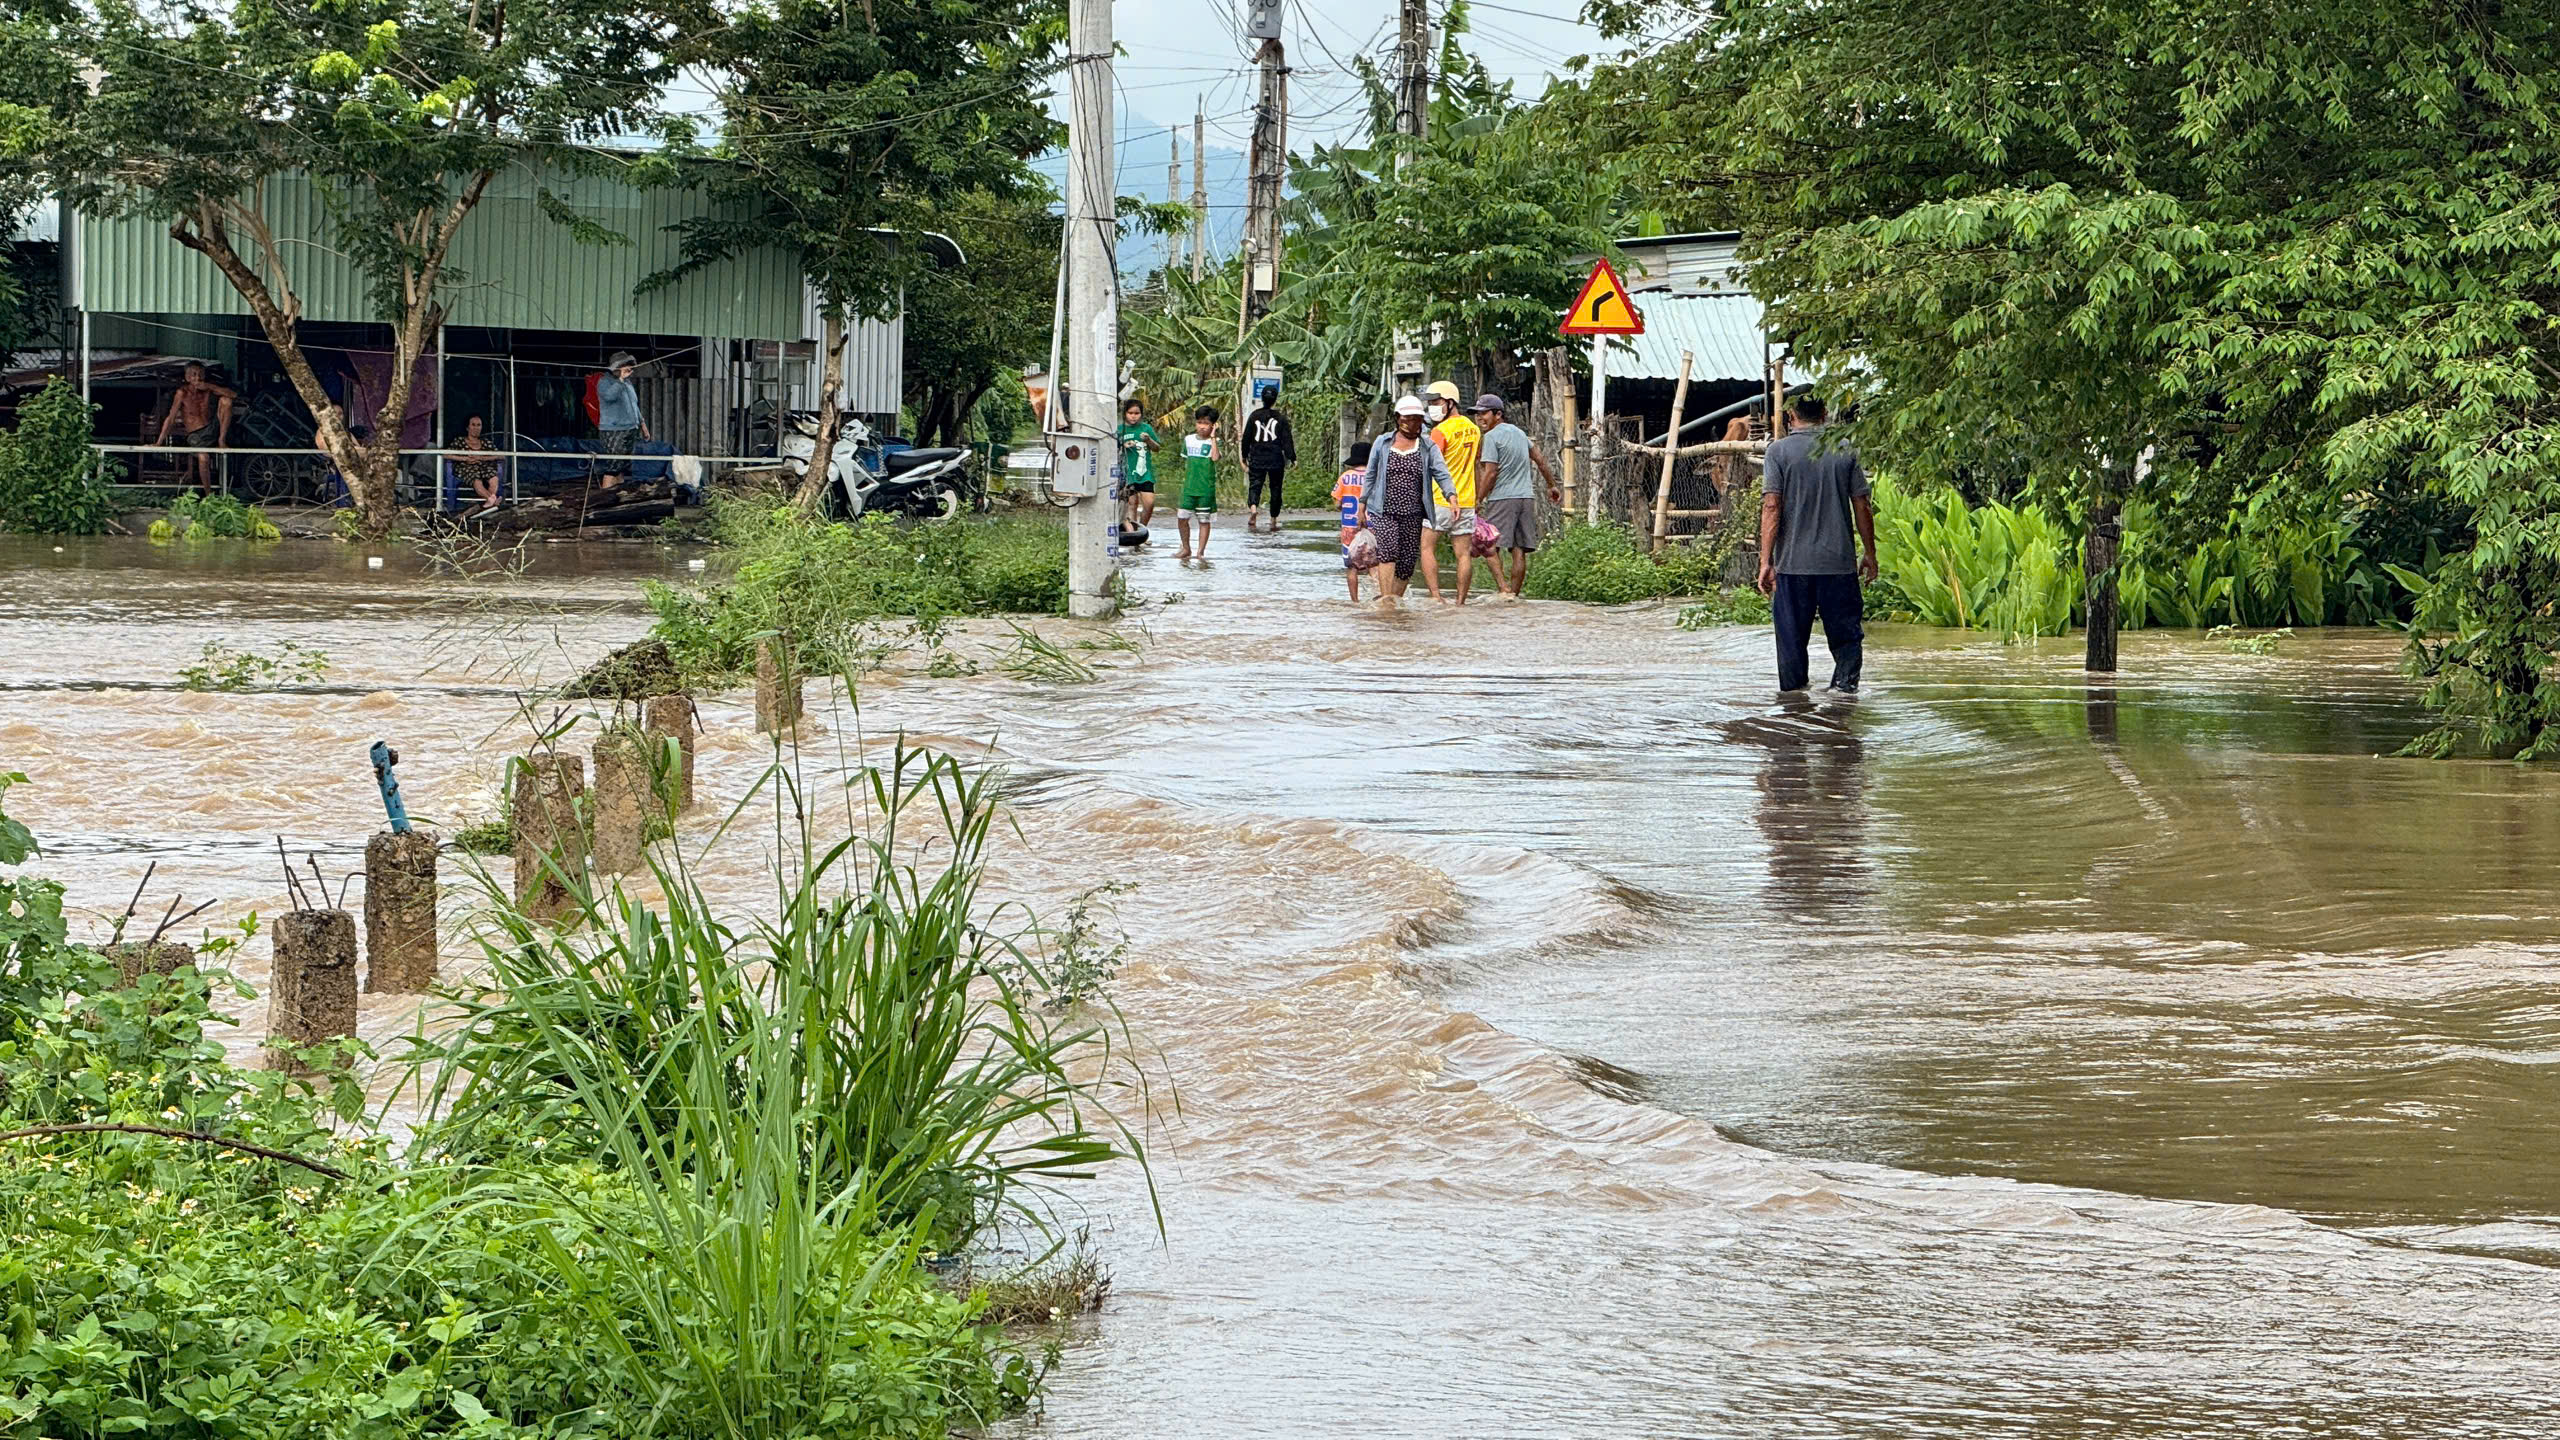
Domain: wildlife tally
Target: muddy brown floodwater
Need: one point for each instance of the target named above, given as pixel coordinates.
(1571, 1040)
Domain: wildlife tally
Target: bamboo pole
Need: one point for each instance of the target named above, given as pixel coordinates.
(1703, 447)
(1662, 492)
(1569, 428)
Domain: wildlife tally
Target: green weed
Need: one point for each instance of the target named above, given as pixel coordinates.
(1035, 658)
(1734, 605)
(196, 517)
(235, 671)
(2265, 642)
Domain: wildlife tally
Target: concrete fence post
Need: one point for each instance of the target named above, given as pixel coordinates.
(621, 801)
(399, 912)
(665, 718)
(551, 842)
(311, 990)
(777, 688)
(135, 958)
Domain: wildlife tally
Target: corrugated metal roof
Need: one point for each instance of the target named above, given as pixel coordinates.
(524, 270)
(1702, 264)
(1722, 332)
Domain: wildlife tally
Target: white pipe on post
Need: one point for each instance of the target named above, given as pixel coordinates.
(1093, 311)
(1599, 428)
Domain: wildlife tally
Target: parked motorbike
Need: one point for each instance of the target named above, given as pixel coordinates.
(931, 484)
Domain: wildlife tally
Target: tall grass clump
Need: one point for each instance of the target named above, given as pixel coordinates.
(805, 1104)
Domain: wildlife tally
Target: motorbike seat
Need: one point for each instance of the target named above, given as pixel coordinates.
(898, 461)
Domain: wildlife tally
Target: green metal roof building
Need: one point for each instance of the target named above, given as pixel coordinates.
(521, 270)
(533, 313)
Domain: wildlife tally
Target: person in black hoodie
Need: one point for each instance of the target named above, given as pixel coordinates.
(1269, 449)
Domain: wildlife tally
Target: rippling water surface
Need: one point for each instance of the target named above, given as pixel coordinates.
(1570, 1038)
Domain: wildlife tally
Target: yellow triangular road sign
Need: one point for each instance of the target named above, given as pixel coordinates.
(1603, 307)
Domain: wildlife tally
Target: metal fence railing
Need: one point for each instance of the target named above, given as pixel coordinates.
(300, 475)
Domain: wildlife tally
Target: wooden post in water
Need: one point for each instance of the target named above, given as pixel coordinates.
(551, 842)
(670, 718)
(1670, 455)
(399, 912)
(311, 990)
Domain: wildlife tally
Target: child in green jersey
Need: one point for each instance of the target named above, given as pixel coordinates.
(1137, 466)
(1199, 480)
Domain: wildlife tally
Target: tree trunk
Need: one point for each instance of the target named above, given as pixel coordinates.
(2106, 535)
(830, 414)
(956, 425)
(369, 469)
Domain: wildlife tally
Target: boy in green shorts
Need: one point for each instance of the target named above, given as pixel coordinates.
(1199, 481)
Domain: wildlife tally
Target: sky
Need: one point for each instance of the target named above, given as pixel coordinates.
(1178, 53)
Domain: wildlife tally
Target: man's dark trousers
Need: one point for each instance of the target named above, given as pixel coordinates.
(1800, 598)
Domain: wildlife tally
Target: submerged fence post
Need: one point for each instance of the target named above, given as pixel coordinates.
(621, 801)
(670, 717)
(777, 687)
(137, 958)
(311, 991)
(551, 843)
(400, 912)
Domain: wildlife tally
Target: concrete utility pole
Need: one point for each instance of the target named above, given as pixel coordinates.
(1268, 172)
(1267, 167)
(1199, 191)
(1173, 195)
(1413, 58)
(1085, 459)
(1413, 119)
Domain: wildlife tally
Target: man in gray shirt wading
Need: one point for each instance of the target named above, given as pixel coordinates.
(1811, 491)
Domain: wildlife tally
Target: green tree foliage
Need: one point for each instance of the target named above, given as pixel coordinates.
(400, 112)
(967, 324)
(2298, 250)
(1468, 236)
(846, 129)
(51, 482)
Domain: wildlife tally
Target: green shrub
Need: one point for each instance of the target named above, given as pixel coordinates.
(1606, 565)
(2019, 571)
(51, 482)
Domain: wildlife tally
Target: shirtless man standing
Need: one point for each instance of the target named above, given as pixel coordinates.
(204, 408)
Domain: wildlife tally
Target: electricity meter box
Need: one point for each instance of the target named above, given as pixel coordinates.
(1081, 467)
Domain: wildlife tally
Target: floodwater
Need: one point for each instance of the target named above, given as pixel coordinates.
(1569, 1038)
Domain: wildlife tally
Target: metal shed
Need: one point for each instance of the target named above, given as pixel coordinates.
(535, 314)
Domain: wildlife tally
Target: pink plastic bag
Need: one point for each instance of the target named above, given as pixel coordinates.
(1364, 549)
(1486, 536)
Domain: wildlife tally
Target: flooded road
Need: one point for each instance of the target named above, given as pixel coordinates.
(1571, 1039)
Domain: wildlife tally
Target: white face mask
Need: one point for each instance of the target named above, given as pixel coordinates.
(1438, 412)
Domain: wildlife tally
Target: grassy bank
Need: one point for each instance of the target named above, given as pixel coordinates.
(830, 586)
(677, 1177)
